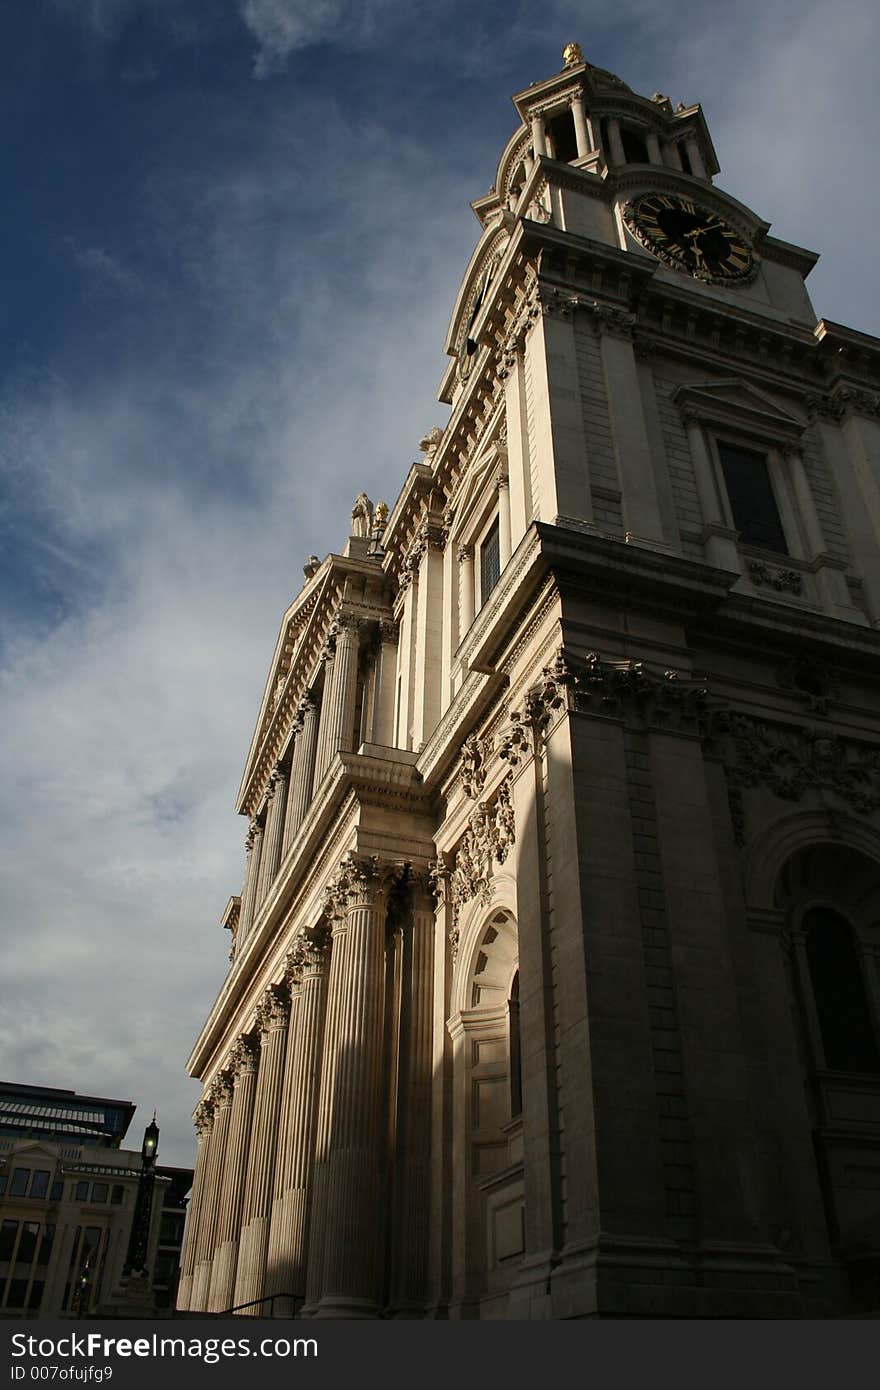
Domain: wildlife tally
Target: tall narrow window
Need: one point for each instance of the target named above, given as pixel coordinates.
(490, 561)
(750, 492)
(634, 147)
(515, 1049)
(848, 1038)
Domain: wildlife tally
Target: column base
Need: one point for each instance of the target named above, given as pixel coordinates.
(346, 1306)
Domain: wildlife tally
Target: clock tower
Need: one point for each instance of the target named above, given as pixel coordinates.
(555, 981)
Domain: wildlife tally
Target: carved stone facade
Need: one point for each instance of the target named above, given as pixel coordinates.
(555, 989)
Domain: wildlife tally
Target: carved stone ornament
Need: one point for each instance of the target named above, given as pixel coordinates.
(813, 681)
(244, 1055)
(475, 754)
(203, 1119)
(316, 948)
(791, 762)
(430, 443)
(221, 1089)
(487, 841)
(784, 581)
(358, 882)
(274, 1010)
(293, 963)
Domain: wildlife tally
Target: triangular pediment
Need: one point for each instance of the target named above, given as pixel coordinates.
(738, 405)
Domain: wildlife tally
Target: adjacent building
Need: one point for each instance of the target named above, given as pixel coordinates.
(555, 980)
(68, 1194)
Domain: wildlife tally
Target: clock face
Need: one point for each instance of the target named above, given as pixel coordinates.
(690, 238)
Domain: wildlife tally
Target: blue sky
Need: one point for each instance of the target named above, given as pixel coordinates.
(234, 232)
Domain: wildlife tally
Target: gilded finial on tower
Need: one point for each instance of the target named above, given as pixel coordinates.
(572, 54)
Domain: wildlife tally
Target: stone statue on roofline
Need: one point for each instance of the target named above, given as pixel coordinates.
(362, 517)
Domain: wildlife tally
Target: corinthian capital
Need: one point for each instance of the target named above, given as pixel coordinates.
(274, 1010)
(203, 1119)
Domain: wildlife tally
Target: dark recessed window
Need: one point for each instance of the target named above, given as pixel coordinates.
(8, 1232)
(117, 1194)
(46, 1245)
(81, 1193)
(848, 1038)
(40, 1183)
(685, 160)
(634, 148)
(490, 561)
(27, 1246)
(750, 492)
(4, 1179)
(57, 1192)
(19, 1185)
(563, 140)
(17, 1293)
(99, 1191)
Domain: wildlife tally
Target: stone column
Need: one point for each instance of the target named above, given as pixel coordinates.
(288, 1240)
(465, 589)
(698, 168)
(245, 1055)
(539, 145)
(336, 730)
(265, 1134)
(254, 846)
(204, 1123)
(615, 142)
(581, 134)
(302, 769)
(353, 1235)
(411, 1215)
(221, 1095)
(503, 521)
(334, 907)
(274, 837)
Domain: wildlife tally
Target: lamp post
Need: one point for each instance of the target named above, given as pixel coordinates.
(139, 1240)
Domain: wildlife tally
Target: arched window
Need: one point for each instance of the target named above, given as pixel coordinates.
(842, 1006)
(515, 1049)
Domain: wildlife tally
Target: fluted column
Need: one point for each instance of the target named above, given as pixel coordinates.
(265, 1132)
(204, 1123)
(288, 1240)
(412, 1198)
(335, 910)
(353, 1220)
(274, 834)
(221, 1095)
(615, 141)
(386, 683)
(465, 589)
(254, 846)
(245, 1056)
(337, 707)
(302, 768)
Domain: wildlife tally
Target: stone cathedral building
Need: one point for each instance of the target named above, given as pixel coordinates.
(555, 975)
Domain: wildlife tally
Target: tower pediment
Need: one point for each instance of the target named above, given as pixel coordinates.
(738, 404)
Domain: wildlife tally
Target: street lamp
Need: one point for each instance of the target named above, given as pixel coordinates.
(139, 1241)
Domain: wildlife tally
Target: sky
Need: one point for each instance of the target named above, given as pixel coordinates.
(234, 233)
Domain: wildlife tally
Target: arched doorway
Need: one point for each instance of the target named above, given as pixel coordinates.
(489, 1197)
